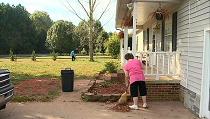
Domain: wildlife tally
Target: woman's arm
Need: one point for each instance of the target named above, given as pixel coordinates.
(142, 65)
(127, 79)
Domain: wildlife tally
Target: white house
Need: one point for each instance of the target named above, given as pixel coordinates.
(177, 44)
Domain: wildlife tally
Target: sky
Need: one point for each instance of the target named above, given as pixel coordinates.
(60, 10)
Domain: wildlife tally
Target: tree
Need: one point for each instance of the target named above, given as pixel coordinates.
(61, 37)
(90, 14)
(82, 33)
(16, 31)
(113, 45)
(101, 40)
(41, 22)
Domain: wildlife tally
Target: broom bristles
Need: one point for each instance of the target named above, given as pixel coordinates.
(123, 98)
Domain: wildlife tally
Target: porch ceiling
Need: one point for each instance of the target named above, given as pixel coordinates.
(122, 12)
(144, 9)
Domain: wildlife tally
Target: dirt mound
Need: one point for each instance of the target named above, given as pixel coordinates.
(121, 108)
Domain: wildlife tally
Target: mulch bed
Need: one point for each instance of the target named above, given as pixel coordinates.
(112, 89)
(108, 87)
(36, 89)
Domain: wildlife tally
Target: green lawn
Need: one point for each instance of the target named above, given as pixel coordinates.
(25, 68)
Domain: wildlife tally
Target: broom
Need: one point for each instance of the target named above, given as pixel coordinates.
(123, 99)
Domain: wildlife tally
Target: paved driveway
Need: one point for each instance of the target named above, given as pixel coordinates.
(69, 106)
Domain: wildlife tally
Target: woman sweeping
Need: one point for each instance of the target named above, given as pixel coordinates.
(134, 75)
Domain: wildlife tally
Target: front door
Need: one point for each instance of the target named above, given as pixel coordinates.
(205, 91)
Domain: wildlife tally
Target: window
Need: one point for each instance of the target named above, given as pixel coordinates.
(130, 43)
(144, 41)
(148, 39)
(153, 43)
(174, 32)
(163, 35)
(137, 44)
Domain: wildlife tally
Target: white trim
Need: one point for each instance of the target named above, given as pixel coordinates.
(188, 43)
(134, 29)
(204, 84)
(125, 43)
(121, 51)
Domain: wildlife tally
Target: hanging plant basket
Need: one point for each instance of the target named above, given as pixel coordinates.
(128, 22)
(160, 14)
(121, 34)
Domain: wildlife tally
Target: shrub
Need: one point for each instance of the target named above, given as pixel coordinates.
(11, 55)
(33, 56)
(54, 55)
(110, 67)
(83, 52)
(113, 46)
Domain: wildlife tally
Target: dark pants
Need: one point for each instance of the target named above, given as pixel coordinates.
(138, 87)
(73, 58)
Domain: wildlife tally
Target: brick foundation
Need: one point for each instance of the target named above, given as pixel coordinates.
(160, 90)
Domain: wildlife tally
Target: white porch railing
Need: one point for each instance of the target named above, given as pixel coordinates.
(160, 63)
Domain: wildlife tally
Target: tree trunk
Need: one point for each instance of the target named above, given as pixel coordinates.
(91, 45)
(91, 32)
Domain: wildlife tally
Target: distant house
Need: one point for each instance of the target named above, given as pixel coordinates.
(173, 39)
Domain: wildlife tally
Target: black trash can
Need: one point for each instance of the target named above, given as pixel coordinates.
(67, 76)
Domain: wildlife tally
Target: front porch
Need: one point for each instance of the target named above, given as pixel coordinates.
(151, 46)
(168, 46)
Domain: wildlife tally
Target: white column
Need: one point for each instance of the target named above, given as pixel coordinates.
(121, 51)
(134, 39)
(125, 41)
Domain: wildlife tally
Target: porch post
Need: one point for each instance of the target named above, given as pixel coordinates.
(125, 42)
(121, 51)
(134, 42)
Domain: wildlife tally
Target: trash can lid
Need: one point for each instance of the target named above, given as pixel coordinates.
(64, 71)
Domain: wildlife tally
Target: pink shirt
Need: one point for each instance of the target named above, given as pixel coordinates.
(135, 70)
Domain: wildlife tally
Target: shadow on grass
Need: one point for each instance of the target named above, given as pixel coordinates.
(38, 98)
(16, 78)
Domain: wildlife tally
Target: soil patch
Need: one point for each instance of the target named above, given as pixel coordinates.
(37, 90)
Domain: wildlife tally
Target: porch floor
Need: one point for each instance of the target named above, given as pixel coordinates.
(162, 78)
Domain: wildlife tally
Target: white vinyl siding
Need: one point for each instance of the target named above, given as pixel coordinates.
(193, 18)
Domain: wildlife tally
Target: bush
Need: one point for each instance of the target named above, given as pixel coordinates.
(54, 55)
(110, 67)
(113, 46)
(33, 56)
(12, 56)
(83, 52)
